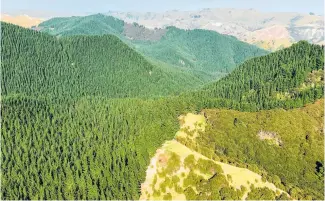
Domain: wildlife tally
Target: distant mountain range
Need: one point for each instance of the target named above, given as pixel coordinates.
(270, 31)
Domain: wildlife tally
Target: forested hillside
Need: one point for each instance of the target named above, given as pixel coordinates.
(274, 80)
(200, 50)
(195, 51)
(37, 64)
(93, 148)
(83, 115)
(284, 146)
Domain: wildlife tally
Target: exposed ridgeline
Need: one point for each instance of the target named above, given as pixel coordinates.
(208, 54)
(37, 64)
(280, 79)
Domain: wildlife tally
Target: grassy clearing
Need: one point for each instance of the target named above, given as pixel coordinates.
(191, 125)
(232, 137)
(157, 186)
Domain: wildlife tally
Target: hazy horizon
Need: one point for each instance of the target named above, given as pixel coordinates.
(48, 8)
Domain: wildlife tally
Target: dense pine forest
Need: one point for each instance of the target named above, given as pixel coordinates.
(38, 64)
(83, 115)
(89, 149)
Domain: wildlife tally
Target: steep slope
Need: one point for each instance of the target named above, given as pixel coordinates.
(274, 80)
(82, 65)
(247, 25)
(95, 148)
(193, 51)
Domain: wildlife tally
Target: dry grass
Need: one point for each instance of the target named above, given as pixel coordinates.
(239, 176)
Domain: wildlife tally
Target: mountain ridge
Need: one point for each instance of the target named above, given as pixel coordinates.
(245, 24)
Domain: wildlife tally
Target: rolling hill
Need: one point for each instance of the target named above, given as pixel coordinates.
(81, 66)
(200, 50)
(195, 51)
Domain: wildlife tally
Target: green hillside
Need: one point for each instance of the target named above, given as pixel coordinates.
(278, 79)
(37, 64)
(199, 50)
(90, 149)
(195, 51)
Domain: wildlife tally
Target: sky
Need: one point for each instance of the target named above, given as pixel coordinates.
(81, 7)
